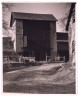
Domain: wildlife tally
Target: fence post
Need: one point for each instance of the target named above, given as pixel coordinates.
(46, 57)
(8, 60)
(55, 58)
(19, 59)
(64, 58)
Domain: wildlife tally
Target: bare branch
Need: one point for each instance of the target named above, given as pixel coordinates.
(6, 8)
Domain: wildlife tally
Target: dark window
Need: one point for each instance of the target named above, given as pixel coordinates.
(62, 36)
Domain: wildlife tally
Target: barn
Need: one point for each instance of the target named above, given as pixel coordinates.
(35, 34)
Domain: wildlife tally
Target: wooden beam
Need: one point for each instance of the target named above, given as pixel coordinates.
(62, 40)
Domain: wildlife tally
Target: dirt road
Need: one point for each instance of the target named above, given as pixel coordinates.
(38, 79)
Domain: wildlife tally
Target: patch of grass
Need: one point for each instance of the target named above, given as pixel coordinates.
(17, 66)
(11, 67)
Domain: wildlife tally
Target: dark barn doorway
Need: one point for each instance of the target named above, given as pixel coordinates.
(64, 53)
(38, 38)
(63, 50)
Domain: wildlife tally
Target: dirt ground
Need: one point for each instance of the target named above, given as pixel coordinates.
(43, 79)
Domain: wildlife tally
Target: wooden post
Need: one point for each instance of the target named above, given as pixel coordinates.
(64, 58)
(20, 59)
(8, 59)
(55, 58)
(46, 57)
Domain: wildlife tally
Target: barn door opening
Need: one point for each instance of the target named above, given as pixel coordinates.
(40, 56)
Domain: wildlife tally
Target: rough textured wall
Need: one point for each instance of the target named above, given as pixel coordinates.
(19, 35)
(53, 43)
(72, 41)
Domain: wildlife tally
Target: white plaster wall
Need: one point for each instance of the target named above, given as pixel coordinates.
(71, 39)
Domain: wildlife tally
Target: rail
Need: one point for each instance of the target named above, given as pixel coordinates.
(56, 58)
(17, 59)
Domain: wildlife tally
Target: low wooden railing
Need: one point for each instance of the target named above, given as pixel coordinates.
(24, 59)
(56, 58)
(19, 59)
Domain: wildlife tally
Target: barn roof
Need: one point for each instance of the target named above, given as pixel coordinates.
(31, 16)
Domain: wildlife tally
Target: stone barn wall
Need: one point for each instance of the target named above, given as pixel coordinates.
(19, 36)
(53, 42)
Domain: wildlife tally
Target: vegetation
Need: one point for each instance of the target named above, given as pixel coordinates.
(6, 9)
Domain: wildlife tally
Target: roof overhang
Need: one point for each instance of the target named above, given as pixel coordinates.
(31, 16)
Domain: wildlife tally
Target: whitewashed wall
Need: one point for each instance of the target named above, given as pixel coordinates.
(72, 41)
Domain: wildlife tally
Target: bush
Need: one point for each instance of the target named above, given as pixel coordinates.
(6, 67)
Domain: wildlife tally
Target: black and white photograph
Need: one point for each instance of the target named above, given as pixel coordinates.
(38, 42)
